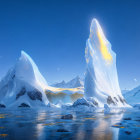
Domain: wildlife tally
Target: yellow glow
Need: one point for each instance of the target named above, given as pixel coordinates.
(87, 60)
(90, 118)
(103, 48)
(54, 89)
(62, 95)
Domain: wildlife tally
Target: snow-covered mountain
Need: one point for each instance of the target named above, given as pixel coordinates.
(74, 83)
(65, 92)
(101, 79)
(133, 96)
(124, 91)
(23, 85)
(59, 84)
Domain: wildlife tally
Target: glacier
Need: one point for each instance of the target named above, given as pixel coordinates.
(101, 79)
(23, 85)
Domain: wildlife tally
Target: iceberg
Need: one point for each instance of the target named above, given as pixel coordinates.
(101, 78)
(23, 85)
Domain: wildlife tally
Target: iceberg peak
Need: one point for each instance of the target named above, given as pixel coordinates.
(25, 56)
(99, 43)
(27, 70)
(101, 79)
(95, 28)
(23, 84)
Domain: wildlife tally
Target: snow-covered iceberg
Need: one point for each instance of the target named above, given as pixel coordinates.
(23, 85)
(101, 79)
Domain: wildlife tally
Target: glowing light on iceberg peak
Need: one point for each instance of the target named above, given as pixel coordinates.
(103, 48)
(96, 32)
(101, 78)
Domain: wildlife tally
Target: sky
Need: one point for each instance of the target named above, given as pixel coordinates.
(54, 34)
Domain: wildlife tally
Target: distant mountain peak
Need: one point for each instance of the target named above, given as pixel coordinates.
(133, 96)
(74, 83)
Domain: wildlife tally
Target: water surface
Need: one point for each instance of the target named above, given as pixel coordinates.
(27, 124)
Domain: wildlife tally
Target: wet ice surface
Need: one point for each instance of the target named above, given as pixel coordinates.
(26, 124)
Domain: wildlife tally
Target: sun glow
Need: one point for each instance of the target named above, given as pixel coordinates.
(103, 48)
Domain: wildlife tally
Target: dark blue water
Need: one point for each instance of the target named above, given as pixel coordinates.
(26, 124)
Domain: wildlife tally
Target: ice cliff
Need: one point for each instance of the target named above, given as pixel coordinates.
(23, 85)
(101, 78)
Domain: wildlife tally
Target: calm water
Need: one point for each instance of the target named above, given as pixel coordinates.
(27, 124)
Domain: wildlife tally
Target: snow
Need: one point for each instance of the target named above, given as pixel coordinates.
(82, 101)
(124, 91)
(83, 105)
(133, 96)
(74, 83)
(101, 79)
(59, 84)
(26, 70)
(24, 74)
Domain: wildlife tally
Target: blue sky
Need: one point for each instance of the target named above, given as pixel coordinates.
(54, 33)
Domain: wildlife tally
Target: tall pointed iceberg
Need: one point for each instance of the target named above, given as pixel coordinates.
(23, 85)
(101, 79)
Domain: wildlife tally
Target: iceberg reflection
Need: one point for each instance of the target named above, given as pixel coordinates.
(43, 125)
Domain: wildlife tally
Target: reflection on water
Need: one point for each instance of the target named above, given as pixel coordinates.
(27, 124)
